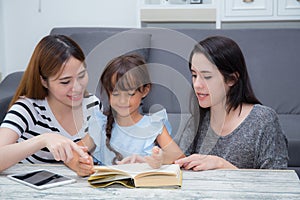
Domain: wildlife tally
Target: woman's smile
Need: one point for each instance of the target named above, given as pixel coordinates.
(75, 97)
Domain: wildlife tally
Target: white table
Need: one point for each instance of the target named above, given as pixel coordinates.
(214, 184)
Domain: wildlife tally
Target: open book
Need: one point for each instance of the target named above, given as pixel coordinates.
(137, 175)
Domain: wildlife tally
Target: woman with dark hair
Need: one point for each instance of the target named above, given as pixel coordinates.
(50, 108)
(235, 130)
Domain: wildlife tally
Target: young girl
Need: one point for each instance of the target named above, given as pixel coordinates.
(235, 130)
(122, 132)
(50, 109)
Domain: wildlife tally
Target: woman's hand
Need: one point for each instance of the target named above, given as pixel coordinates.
(156, 158)
(199, 162)
(74, 155)
(61, 147)
(132, 159)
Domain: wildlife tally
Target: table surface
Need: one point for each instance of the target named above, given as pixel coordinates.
(213, 184)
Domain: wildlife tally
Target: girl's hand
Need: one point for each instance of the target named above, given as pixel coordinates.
(199, 162)
(156, 158)
(83, 166)
(132, 159)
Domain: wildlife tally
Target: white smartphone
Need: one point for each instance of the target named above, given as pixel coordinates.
(41, 179)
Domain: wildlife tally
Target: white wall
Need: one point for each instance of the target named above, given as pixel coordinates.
(2, 61)
(24, 22)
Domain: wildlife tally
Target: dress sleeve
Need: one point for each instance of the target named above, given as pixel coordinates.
(162, 116)
(96, 127)
(272, 152)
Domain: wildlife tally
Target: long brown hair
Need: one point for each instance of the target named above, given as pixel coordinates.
(48, 59)
(126, 72)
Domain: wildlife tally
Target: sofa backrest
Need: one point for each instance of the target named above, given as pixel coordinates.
(271, 57)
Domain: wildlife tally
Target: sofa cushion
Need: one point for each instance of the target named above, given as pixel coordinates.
(134, 41)
(102, 46)
(88, 41)
(8, 87)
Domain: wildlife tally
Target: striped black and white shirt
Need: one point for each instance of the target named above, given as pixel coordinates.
(30, 118)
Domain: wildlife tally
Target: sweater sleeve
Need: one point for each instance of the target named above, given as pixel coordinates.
(272, 150)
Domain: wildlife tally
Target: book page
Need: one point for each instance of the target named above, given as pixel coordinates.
(135, 169)
(106, 171)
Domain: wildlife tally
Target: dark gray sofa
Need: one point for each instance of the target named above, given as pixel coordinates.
(272, 57)
(7, 89)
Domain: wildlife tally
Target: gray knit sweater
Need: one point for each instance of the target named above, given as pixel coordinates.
(258, 142)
